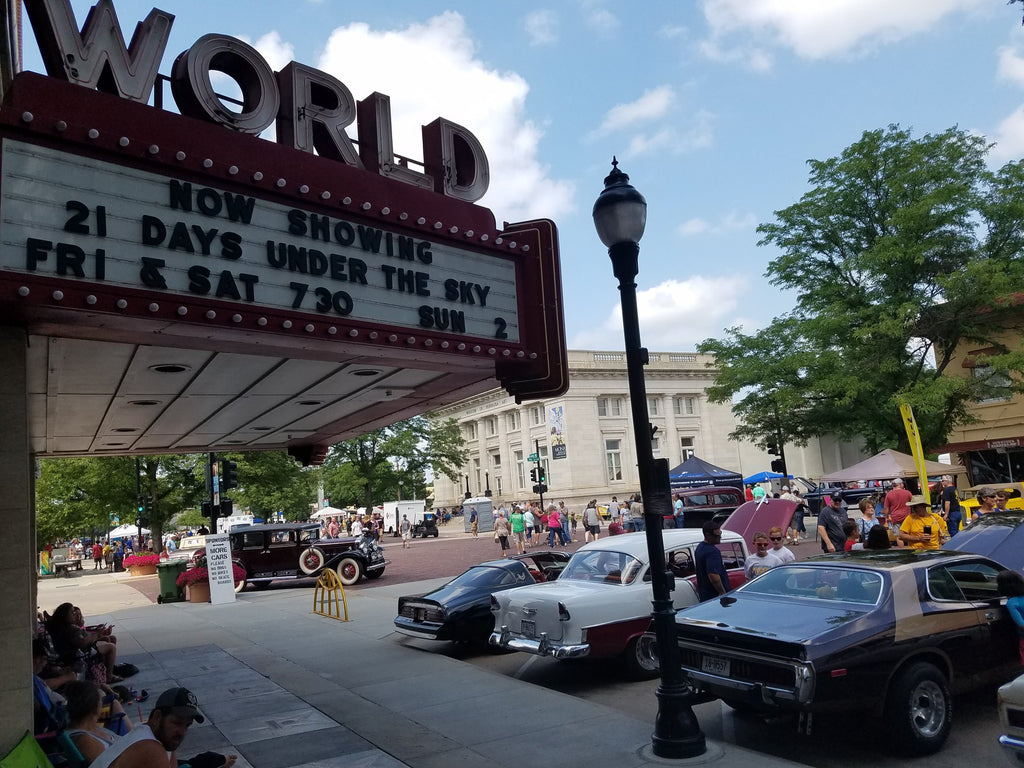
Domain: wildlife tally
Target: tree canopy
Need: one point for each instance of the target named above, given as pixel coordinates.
(367, 470)
(902, 249)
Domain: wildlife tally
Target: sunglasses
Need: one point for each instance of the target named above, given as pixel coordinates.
(776, 538)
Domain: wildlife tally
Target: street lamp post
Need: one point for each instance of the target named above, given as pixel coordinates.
(620, 215)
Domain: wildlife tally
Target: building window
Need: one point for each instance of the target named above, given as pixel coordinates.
(613, 459)
(686, 447)
(512, 421)
(993, 386)
(537, 415)
(684, 406)
(497, 487)
(652, 406)
(492, 425)
(656, 446)
(496, 460)
(609, 406)
(470, 430)
(520, 469)
(479, 476)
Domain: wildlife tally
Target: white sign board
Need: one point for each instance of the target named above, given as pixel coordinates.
(78, 218)
(218, 562)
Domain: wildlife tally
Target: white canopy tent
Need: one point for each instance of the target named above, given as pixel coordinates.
(889, 464)
(124, 531)
(320, 514)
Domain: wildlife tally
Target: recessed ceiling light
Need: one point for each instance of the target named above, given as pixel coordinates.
(310, 402)
(125, 429)
(262, 429)
(366, 372)
(143, 402)
(115, 445)
(170, 368)
(234, 442)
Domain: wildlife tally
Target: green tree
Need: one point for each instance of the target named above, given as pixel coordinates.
(272, 482)
(368, 469)
(83, 496)
(903, 248)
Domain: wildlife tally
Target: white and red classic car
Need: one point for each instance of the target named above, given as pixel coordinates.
(600, 605)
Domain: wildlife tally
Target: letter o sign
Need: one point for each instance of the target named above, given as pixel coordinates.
(193, 90)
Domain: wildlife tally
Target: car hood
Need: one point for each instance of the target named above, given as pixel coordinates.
(997, 535)
(752, 517)
(751, 616)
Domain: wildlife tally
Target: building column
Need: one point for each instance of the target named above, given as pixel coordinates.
(18, 567)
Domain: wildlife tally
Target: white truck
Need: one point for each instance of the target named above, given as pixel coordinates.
(392, 512)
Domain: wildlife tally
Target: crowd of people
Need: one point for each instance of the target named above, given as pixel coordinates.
(80, 698)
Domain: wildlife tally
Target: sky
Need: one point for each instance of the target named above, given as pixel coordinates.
(712, 107)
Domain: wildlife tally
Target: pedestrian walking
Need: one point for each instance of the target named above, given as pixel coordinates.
(405, 528)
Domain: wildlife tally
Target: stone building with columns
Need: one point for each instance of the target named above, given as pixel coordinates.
(584, 438)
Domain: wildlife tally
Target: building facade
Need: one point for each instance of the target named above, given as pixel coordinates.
(584, 438)
(992, 446)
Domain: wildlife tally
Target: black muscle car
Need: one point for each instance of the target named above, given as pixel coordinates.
(889, 633)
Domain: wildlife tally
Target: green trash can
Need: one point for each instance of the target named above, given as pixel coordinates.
(169, 572)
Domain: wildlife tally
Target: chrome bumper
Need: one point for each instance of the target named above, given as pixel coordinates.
(1013, 748)
(540, 646)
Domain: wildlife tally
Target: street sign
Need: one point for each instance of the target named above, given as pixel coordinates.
(533, 457)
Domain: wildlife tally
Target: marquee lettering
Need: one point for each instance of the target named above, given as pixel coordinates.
(311, 108)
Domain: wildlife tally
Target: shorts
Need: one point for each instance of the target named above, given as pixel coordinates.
(472, 526)
(405, 535)
(595, 530)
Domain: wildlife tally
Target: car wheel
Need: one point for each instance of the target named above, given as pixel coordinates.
(641, 657)
(311, 561)
(919, 709)
(375, 574)
(240, 584)
(261, 585)
(434, 534)
(349, 570)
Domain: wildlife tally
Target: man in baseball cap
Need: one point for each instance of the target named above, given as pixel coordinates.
(154, 743)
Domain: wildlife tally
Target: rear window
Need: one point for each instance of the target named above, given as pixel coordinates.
(846, 585)
(604, 566)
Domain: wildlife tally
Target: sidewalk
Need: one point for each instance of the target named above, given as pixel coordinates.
(285, 688)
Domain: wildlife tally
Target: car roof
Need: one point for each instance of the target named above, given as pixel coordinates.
(997, 535)
(636, 543)
(887, 559)
(276, 527)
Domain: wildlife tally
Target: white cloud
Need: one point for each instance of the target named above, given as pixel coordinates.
(814, 29)
(277, 52)
(653, 105)
(541, 27)
(730, 222)
(1009, 138)
(676, 139)
(430, 70)
(1011, 66)
(674, 316)
(597, 17)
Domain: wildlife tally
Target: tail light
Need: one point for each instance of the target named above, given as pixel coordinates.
(495, 607)
(563, 612)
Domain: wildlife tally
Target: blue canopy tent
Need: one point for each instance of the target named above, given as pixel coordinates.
(695, 472)
(764, 477)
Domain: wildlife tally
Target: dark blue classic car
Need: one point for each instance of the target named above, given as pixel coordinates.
(890, 633)
(461, 609)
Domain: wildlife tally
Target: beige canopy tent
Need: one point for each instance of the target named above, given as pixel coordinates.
(889, 464)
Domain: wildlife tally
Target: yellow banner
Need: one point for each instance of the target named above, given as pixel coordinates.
(915, 448)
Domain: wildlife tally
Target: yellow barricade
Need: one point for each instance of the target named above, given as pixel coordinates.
(329, 596)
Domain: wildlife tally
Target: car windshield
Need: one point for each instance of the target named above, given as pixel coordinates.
(489, 576)
(603, 566)
(800, 582)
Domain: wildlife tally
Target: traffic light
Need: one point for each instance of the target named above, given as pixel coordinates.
(541, 474)
(139, 506)
(207, 509)
(228, 475)
(777, 465)
(226, 507)
(773, 448)
(533, 475)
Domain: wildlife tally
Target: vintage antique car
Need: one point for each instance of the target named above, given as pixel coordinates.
(884, 632)
(715, 502)
(296, 551)
(461, 609)
(600, 606)
(1011, 718)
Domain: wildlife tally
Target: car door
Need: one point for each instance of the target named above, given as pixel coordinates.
(976, 580)
(282, 553)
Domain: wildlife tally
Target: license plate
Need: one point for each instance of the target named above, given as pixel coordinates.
(715, 665)
(528, 628)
